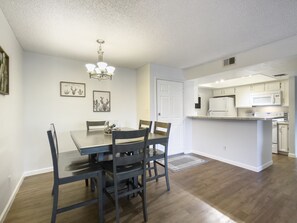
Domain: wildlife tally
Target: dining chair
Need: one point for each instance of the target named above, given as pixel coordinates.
(155, 154)
(91, 124)
(128, 149)
(142, 125)
(73, 156)
(145, 124)
(67, 172)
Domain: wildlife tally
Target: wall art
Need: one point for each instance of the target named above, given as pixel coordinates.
(4, 72)
(72, 89)
(101, 101)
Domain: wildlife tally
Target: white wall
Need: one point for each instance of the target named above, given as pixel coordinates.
(143, 92)
(292, 116)
(43, 104)
(11, 119)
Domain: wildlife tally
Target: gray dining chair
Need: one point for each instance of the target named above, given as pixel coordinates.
(154, 154)
(142, 125)
(92, 124)
(127, 166)
(73, 156)
(65, 171)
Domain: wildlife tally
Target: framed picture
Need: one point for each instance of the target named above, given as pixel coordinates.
(72, 89)
(101, 101)
(4, 72)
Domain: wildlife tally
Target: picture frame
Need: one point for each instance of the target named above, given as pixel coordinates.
(72, 89)
(4, 72)
(101, 101)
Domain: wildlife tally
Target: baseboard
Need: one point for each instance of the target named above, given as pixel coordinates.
(13, 195)
(11, 199)
(39, 171)
(292, 155)
(242, 165)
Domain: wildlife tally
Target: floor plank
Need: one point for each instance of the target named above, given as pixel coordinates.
(212, 192)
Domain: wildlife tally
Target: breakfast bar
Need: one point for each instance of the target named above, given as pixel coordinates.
(241, 141)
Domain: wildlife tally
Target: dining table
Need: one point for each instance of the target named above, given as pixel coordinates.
(97, 142)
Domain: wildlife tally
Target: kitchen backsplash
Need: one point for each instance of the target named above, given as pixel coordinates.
(248, 111)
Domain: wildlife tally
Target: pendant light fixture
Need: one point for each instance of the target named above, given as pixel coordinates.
(102, 71)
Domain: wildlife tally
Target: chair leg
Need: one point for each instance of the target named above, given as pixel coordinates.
(100, 197)
(55, 203)
(156, 171)
(144, 207)
(116, 200)
(87, 182)
(166, 173)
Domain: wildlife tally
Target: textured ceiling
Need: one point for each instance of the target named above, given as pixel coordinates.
(177, 33)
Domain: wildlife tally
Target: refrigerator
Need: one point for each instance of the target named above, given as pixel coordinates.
(222, 107)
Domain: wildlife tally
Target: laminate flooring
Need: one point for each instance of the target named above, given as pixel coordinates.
(212, 192)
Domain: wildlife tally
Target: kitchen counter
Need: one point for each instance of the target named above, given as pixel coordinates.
(241, 141)
(246, 118)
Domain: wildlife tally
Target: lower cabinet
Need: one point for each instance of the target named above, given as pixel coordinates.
(283, 137)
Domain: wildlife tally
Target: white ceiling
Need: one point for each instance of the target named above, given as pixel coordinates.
(175, 33)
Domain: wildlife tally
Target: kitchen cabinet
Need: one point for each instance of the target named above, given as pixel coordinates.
(283, 137)
(258, 87)
(242, 97)
(223, 92)
(273, 86)
(285, 92)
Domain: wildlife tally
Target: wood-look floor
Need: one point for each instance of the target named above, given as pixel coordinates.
(211, 192)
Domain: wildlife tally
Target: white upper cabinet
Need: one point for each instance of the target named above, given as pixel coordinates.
(258, 87)
(273, 86)
(242, 97)
(224, 92)
(285, 92)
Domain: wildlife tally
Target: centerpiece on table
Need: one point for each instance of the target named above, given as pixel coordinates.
(109, 128)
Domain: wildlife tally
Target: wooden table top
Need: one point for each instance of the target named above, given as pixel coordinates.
(96, 141)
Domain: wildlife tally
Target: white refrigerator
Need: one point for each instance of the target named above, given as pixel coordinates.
(222, 107)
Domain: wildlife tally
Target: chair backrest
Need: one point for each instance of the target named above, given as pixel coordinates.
(51, 136)
(95, 124)
(145, 124)
(129, 142)
(162, 128)
(55, 138)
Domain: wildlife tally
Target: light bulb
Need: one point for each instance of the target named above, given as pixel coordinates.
(90, 67)
(110, 70)
(102, 65)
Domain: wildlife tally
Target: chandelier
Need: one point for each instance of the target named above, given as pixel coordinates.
(102, 71)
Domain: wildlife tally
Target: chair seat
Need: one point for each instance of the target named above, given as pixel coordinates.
(129, 170)
(72, 167)
(154, 154)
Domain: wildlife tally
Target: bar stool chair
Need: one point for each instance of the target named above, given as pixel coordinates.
(72, 156)
(125, 169)
(142, 125)
(154, 154)
(64, 173)
(91, 124)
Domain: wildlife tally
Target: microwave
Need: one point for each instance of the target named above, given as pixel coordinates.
(266, 98)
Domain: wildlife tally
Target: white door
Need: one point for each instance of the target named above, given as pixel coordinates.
(170, 109)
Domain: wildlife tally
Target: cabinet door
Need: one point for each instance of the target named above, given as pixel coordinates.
(273, 86)
(285, 92)
(258, 88)
(228, 91)
(283, 138)
(242, 97)
(217, 92)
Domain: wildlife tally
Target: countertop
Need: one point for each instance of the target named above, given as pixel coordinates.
(252, 118)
